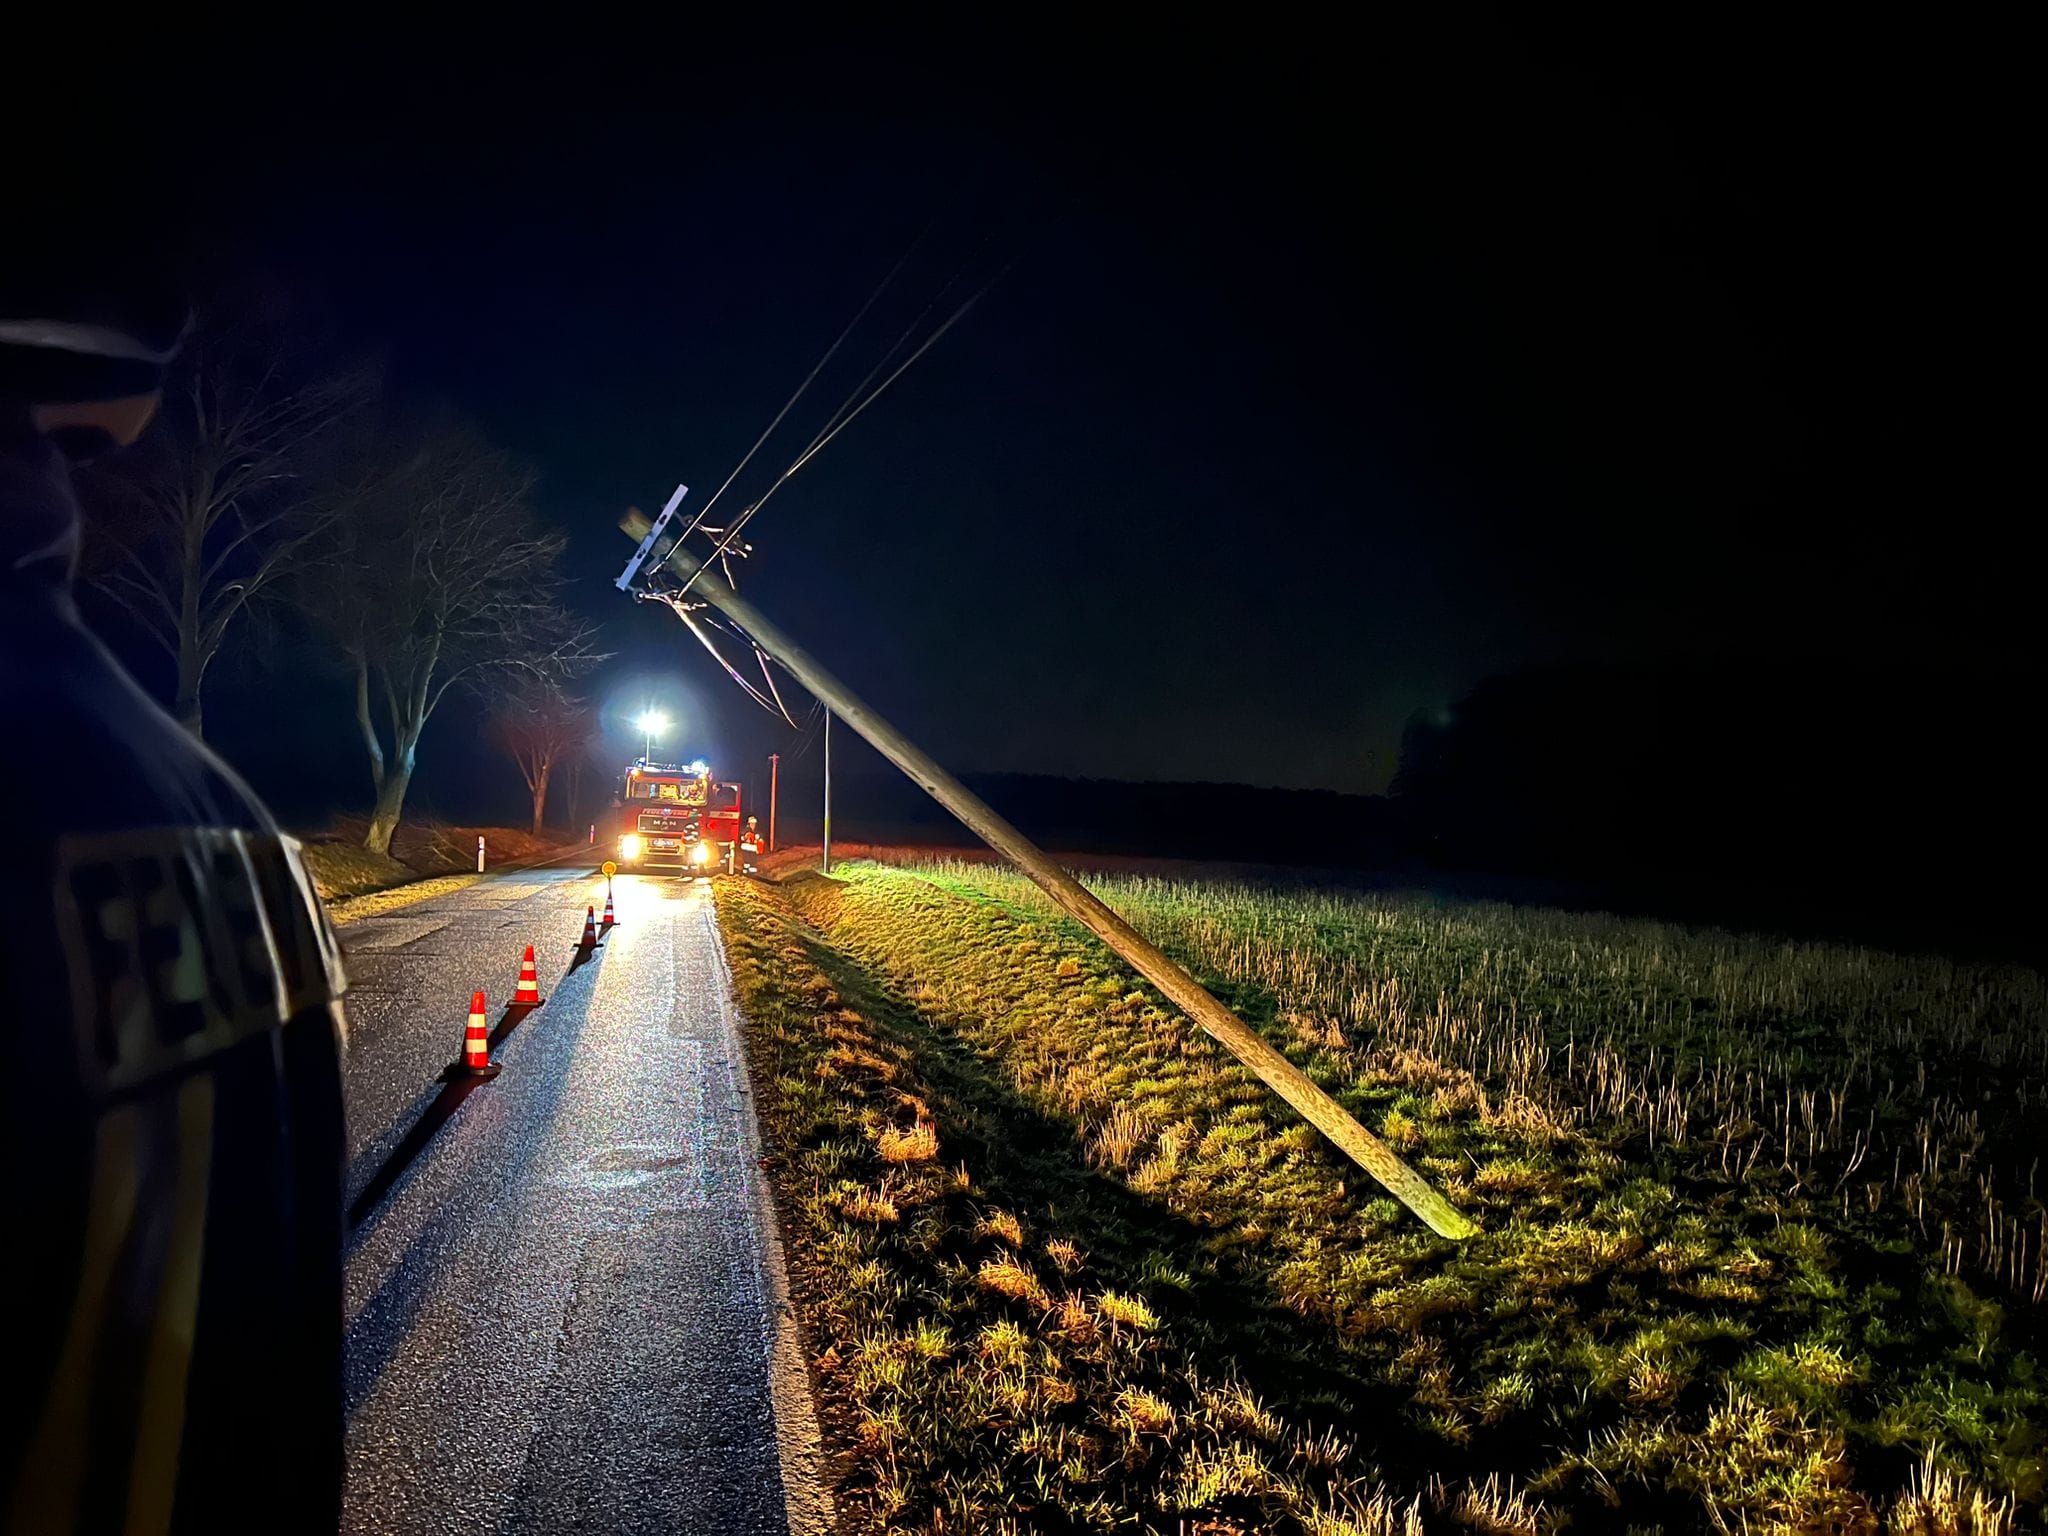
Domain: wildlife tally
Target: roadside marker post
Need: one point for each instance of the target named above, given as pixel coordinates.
(479, 853)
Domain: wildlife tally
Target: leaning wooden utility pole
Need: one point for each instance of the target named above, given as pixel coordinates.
(1187, 994)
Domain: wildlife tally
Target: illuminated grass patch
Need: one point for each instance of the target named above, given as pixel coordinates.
(1752, 1258)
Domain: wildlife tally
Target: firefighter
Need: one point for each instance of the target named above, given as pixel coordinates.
(750, 843)
(170, 1089)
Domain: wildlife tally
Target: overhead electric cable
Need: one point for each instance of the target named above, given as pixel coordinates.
(816, 368)
(689, 619)
(818, 443)
(769, 678)
(901, 341)
(810, 735)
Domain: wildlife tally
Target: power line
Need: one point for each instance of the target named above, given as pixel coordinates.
(683, 612)
(816, 368)
(695, 614)
(818, 443)
(769, 678)
(809, 738)
(889, 356)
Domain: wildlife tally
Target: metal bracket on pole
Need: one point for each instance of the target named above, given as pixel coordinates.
(654, 533)
(1187, 994)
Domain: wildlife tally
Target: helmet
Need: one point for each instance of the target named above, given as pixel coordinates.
(84, 342)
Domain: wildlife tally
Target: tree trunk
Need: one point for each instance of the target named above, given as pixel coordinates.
(369, 729)
(191, 665)
(390, 804)
(191, 672)
(407, 721)
(187, 708)
(540, 796)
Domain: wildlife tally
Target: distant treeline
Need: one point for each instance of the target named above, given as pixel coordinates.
(1899, 808)
(1230, 822)
(1898, 803)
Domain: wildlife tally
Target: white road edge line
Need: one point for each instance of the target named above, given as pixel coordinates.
(799, 1449)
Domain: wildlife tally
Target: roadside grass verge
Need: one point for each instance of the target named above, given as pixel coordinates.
(342, 870)
(413, 890)
(1071, 1268)
(432, 860)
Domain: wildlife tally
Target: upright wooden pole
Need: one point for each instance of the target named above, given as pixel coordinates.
(774, 772)
(1187, 994)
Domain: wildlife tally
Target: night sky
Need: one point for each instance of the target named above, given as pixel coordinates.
(1325, 376)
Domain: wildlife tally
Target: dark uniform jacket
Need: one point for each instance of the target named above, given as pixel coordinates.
(170, 1099)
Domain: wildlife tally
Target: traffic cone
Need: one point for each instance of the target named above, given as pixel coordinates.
(528, 994)
(589, 940)
(476, 1044)
(607, 904)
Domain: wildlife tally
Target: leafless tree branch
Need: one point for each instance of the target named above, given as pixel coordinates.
(225, 495)
(435, 574)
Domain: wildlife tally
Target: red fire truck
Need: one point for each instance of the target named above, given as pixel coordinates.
(675, 816)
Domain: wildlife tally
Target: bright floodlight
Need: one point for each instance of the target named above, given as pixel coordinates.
(652, 723)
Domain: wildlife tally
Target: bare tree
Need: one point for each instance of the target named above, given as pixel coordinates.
(223, 496)
(436, 574)
(542, 729)
(589, 761)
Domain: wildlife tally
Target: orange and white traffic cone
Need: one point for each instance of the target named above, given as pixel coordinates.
(476, 1044)
(589, 939)
(528, 993)
(608, 904)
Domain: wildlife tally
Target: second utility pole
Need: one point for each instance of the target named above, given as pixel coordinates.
(774, 769)
(827, 866)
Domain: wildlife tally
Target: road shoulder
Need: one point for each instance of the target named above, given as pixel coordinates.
(800, 1450)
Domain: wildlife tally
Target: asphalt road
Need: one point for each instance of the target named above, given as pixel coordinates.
(564, 1282)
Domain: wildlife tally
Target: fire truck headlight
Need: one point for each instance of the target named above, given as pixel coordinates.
(700, 853)
(629, 846)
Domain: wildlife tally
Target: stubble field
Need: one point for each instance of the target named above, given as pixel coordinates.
(1762, 1241)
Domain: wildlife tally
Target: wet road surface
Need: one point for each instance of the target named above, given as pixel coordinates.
(563, 1286)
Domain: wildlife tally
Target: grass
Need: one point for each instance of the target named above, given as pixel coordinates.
(342, 871)
(1761, 1246)
(432, 860)
(409, 892)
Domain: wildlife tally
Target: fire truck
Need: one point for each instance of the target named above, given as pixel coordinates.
(675, 816)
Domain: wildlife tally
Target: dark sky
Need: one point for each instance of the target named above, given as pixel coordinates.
(1327, 374)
